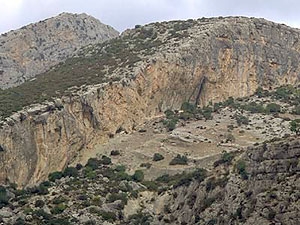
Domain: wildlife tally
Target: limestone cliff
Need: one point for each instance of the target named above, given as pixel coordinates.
(35, 48)
(164, 65)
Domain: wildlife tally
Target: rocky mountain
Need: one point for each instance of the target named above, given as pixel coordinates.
(258, 186)
(117, 85)
(35, 48)
(261, 188)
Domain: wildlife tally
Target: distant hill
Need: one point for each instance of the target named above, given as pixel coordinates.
(35, 48)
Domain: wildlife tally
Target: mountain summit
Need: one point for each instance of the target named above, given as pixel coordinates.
(35, 48)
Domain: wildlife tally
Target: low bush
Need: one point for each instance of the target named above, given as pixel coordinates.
(118, 196)
(226, 158)
(273, 108)
(93, 163)
(42, 189)
(295, 126)
(151, 185)
(241, 169)
(58, 208)
(70, 172)
(140, 219)
(3, 197)
(179, 160)
(39, 203)
(115, 152)
(170, 123)
(138, 176)
(105, 160)
(108, 216)
(240, 119)
(158, 157)
(207, 113)
(189, 107)
(55, 176)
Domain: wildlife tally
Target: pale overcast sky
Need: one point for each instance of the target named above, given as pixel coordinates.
(122, 14)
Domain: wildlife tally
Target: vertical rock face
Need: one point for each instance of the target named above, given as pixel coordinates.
(203, 60)
(35, 48)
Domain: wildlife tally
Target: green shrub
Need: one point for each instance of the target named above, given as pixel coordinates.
(207, 113)
(59, 221)
(199, 174)
(91, 175)
(273, 108)
(79, 166)
(121, 176)
(120, 168)
(96, 201)
(140, 219)
(118, 196)
(43, 214)
(151, 185)
(58, 208)
(158, 157)
(138, 176)
(59, 200)
(179, 160)
(46, 183)
(241, 169)
(3, 197)
(105, 160)
(212, 221)
(20, 221)
(70, 172)
(169, 114)
(115, 152)
(261, 92)
(39, 203)
(186, 178)
(108, 216)
(240, 119)
(182, 179)
(226, 158)
(284, 92)
(42, 189)
(295, 126)
(55, 176)
(170, 123)
(254, 107)
(93, 163)
(188, 107)
(207, 202)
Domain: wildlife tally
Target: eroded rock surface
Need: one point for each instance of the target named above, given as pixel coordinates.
(269, 194)
(35, 48)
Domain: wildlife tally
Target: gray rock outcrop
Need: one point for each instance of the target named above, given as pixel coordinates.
(268, 195)
(35, 48)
